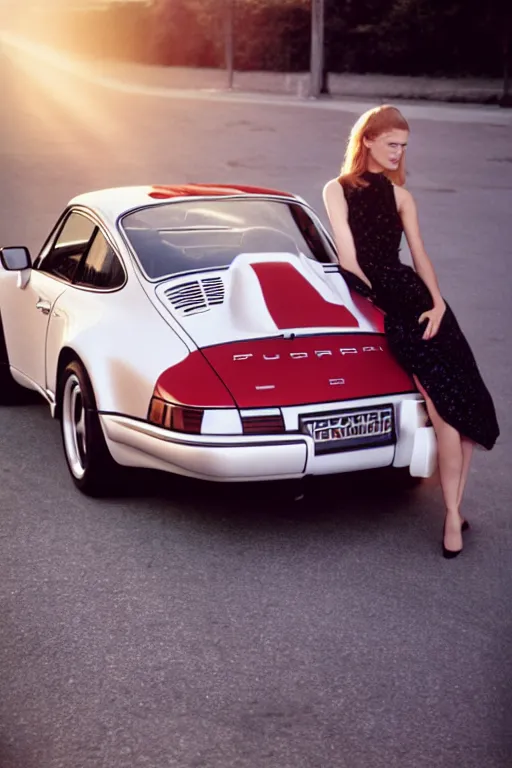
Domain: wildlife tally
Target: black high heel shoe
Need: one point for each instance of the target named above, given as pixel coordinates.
(449, 554)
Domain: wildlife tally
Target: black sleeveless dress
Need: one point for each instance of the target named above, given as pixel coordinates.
(444, 365)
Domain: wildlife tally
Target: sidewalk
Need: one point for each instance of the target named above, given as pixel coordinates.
(271, 87)
(366, 87)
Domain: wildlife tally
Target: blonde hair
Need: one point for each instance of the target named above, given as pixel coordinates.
(372, 124)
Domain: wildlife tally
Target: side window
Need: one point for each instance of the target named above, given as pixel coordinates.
(69, 247)
(101, 268)
(317, 245)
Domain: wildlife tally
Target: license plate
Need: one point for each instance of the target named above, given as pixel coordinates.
(350, 430)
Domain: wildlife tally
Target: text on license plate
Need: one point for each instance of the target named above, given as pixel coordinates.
(351, 429)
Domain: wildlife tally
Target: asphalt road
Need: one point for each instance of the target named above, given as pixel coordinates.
(232, 627)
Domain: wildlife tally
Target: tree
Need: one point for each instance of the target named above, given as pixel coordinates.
(504, 22)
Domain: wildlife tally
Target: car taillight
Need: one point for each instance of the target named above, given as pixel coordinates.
(263, 425)
(175, 417)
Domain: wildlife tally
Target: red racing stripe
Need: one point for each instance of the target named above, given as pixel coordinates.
(294, 303)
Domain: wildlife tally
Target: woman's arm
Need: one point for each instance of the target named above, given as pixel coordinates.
(337, 210)
(423, 265)
(409, 215)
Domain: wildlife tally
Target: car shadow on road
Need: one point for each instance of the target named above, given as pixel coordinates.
(366, 495)
(346, 499)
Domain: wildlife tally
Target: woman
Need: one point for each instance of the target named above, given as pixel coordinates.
(369, 209)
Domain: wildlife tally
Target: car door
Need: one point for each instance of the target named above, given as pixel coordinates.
(28, 308)
(100, 272)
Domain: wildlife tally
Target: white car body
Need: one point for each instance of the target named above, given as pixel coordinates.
(219, 345)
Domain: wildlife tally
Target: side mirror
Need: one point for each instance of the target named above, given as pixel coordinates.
(14, 259)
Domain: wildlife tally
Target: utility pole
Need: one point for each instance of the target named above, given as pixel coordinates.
(229, 40)
(317, 82)
(506, 97)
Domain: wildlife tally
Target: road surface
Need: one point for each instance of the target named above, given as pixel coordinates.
(233, 627)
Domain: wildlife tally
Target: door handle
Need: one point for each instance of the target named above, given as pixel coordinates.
(43, 306)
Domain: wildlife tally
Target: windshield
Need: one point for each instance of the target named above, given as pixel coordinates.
(205, 234)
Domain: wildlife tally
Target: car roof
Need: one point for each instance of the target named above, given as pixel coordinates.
(110, 204)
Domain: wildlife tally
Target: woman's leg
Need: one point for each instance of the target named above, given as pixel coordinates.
(450, 457)
(467, 453)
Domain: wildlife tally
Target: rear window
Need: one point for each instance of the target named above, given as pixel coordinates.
(205, 234)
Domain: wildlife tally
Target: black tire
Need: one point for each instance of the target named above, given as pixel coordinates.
(92, 468)
(10, 391)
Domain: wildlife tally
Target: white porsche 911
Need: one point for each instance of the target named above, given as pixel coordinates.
(206, 331)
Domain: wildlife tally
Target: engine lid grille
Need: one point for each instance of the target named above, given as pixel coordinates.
(196, 296)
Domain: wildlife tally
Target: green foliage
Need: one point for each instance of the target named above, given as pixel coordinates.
(268, 34)
(275, 35)
(437, 37)
(187, 32)
(450, 37)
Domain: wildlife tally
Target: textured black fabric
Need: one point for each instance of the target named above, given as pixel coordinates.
(444, 365)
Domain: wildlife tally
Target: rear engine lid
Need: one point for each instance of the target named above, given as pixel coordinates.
(277, 372)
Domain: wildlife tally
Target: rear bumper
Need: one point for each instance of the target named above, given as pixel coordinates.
(248, 458)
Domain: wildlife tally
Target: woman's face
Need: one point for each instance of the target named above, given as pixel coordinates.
(386, 150)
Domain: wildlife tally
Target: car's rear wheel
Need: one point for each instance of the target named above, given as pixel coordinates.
(92, 468)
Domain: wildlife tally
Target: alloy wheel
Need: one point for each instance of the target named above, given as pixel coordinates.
(74, 426)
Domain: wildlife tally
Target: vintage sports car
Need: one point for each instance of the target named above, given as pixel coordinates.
(206, 331)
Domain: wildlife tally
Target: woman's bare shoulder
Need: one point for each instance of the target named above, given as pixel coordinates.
(334, 188)
(402, 196)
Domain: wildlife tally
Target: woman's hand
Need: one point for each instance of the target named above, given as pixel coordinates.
(434, 317)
